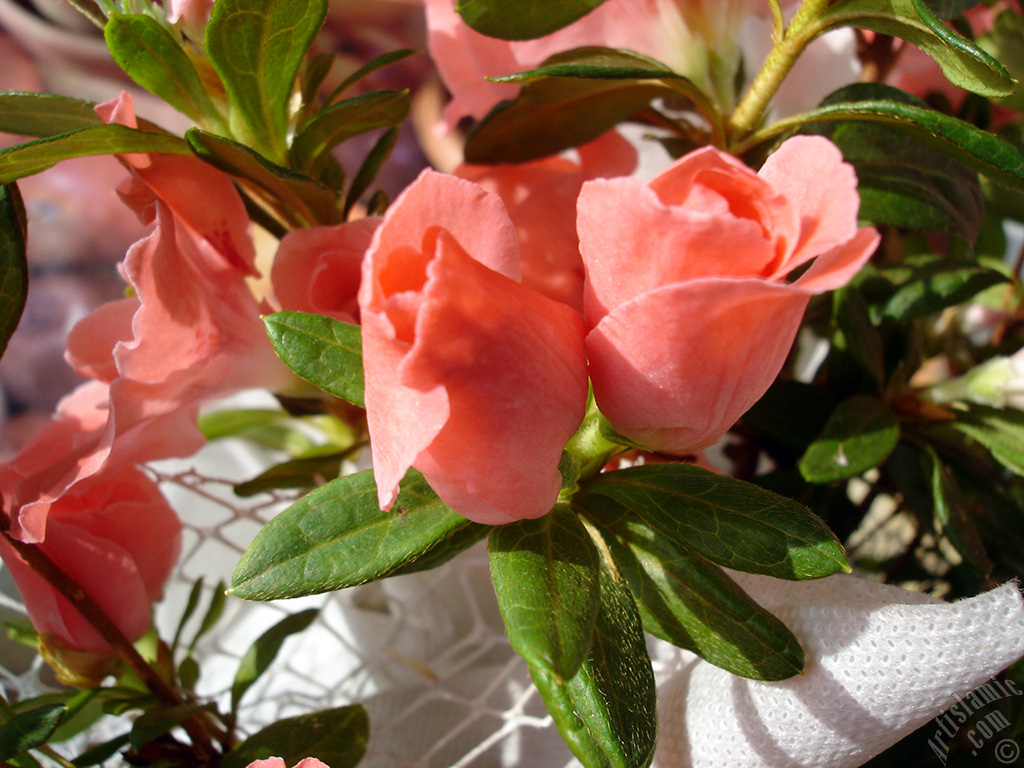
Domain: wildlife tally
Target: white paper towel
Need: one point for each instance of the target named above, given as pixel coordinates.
(881, 662)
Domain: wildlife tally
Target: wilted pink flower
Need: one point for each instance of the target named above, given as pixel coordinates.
(318, 269)
(118, 539)
(541, 199)
(687, 301)
(78, 449)
(471, 378)
(190, 332)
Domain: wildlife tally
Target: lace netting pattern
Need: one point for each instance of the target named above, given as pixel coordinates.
(425, 653)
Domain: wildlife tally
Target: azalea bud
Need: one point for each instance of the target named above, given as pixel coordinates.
(689, 309)
(471, 378)
(998, 381)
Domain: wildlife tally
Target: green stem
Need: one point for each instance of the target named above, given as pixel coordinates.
(90, 11)
(587, 452)
(778, 22)
(51, 753)
(786, 49)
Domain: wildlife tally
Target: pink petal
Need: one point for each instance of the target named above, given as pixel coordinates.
(120, 553)
(837, 267)
(513, 367)
(465, 58)
(821, 188)
(318, 269)
(632, 243)
(610, 154)
(402, 421)
(270, 762)
(675, 368)
(459, 357)
(91, 342)
(541, 200)
(476, 219)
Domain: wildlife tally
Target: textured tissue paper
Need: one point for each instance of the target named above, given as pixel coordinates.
(881, 662)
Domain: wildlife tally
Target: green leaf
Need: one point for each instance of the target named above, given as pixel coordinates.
(13, 262)
(35, 156)
(690, 602)
(985, 152)
(308, 548)
(188, 673)
(902, 182)
(261, 654)
(920, 286)
(156, 722)
(257, 50)
(371, 166)
(270, 428)
(378, 62)
(1000, 430)
(85, 707)
(963, 63)
(22, 631)
(342, 121)
(607, 712)
(151, 57)
(545, 574)
(791, 413)
(953, 516)
(950, 9)
(303, 472)
(336, 736)
(25, 760)
(522, 20)
(28, 730)
(860, 434)
(378, 204)
(101, 752)
(858, 335)
(314, 73)
(213, 613)
(1004, 40)
(323, 351)
(294, 197)
(190, 607)
(728, 521)
(44, 114)
(240, 422)
(574, 98)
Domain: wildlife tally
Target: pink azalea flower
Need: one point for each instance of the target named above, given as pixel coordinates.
(708, 41)
(471, 378)
(541, 199)
(318, 269)
(191, 332)
(677, 33)
(683, 340)
(277, 762)
(117, 538)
